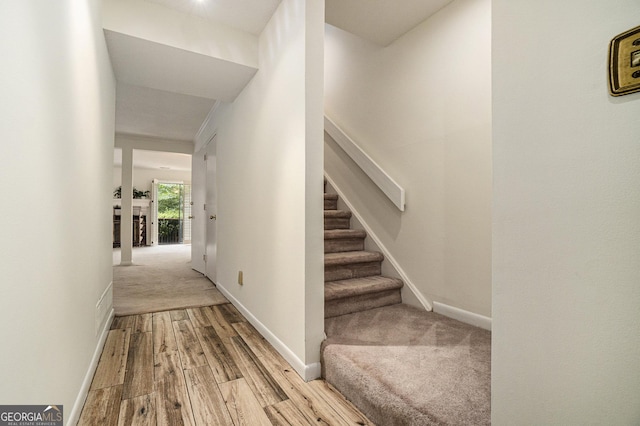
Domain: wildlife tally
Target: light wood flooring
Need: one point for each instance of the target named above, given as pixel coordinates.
(203, 366)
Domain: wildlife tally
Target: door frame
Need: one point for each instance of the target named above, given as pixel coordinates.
(210, 247)
(154, 198)
(198, 220)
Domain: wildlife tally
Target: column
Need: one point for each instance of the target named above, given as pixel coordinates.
(126, 220)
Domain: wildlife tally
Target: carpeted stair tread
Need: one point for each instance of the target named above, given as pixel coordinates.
(337, 234)
(401, 365)
(330, 196)
(334, 290)
(351, 257)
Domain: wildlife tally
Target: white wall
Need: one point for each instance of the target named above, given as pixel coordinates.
(56, 159)
(269, 183)
(142, 177)
(186, 31)
(421, 108)
(566, 218)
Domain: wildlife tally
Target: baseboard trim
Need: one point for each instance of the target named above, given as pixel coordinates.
(308, 372)
(426, 304)
(74, 415)
(462, 315)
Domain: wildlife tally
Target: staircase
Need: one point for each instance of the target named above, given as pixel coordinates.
(353, 280)
(400, 365)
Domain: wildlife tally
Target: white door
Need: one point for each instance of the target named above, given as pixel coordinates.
(212, 210)
(197, 215)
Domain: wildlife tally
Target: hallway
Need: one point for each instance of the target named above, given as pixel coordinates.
(160, 279)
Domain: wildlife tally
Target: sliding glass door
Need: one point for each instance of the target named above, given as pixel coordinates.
(174, 209)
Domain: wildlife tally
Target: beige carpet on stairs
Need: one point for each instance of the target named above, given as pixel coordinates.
(161, 279)
(404, 366)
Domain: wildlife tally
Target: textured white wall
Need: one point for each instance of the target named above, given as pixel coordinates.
(566, 218)
(56, 164)
(421, 108)
(269, 190)
(142, 177)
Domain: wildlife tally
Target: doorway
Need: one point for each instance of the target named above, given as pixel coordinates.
(173, 204)
(204, 214)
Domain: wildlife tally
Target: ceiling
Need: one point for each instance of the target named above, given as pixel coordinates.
(250, 16)
(380, 21)
(158, 113)
(155, 160)
(166, 92)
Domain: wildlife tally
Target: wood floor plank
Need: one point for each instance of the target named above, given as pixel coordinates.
(259, 345)
(238, 368)
(198, 317)
(338, 402)
(172, 403)
(244, 408)
(219, 322)
(102, 407)
(163, 337)
(143, 323)
(138, 411)
(191, 353)
(113, 361)
(222, 364)
(308, 403)
(167, 366)
(207, 403)
(123, 322)
(230, 313)
(258, 377)
(139, 375)
(178, 315)
(313, 405)
(285, 413)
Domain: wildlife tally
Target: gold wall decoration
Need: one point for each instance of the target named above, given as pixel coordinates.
(624, 63)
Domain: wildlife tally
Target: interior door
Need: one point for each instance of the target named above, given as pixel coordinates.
(197, 214)
(211, 211)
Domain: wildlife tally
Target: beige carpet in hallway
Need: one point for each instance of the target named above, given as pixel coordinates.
(160, 279)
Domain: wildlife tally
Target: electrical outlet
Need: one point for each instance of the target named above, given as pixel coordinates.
(240, 278)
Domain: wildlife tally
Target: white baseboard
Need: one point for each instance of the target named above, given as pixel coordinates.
(462, 315)
(74, 415)
(306, 371)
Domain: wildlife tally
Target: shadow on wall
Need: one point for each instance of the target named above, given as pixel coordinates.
(374, 198)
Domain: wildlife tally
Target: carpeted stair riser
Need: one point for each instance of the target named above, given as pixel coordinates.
(353, 264)
(354, 295)
(355, 287)
(337, 246)
(342, 240)
(365, 302)
(337, 219)
(355, 270)
(330, 202)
